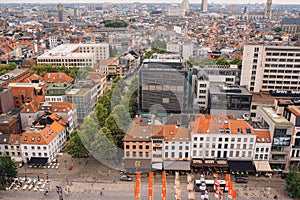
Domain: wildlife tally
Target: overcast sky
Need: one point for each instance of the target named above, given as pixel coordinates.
(148, 1)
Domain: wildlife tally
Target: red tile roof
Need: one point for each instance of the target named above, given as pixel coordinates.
(57, 78)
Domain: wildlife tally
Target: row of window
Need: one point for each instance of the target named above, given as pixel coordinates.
(180, 155)
(137, 154)
(223, 146)
(37, 147)
(221, 154)
(220, 139)
(36, 154)
(261, 157)
(282, 54)
(180, 148)
(139, 146)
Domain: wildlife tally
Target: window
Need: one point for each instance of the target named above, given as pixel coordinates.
(180, 154)
(32, 147)
(239, 139)
(38, 147)
(127, 146)
(256, 156)
(186, 147)
(33, 153)
(140, 154)
(147, 146)
(173, 147)
(173, 154)
(231, 146)
(220, 146)
(267, 150)
(26, 154)
(180, 147)
(25, 147)
(45, 148)
(141, 146)
(195, 138)
(166, 147)
(244, 146)
(127, 153)
(147, 154)
(212, 153)
(40, 154)
(220, 139)
(166, 154)
(245, 139)
(257, 150)
(237, 154)
(134, 154)
(226, 139)
(133, 147)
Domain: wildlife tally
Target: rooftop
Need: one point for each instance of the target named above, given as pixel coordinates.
(276, 119)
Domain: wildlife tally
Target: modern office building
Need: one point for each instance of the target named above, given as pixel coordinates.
(229, 99)
(267, 68)
(75, 55)
(164, 84)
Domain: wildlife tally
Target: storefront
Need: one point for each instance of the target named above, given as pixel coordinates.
(133, 165)
(241, 167)
(210, 166)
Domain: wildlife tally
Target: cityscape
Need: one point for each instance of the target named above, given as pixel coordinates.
(180, 100)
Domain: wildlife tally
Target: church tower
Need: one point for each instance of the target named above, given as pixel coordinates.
(268, 9)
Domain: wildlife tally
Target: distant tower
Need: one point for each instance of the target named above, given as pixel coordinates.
(268, 9)
(231, 8)
(204, 6)
(60, 12)
(185, 5)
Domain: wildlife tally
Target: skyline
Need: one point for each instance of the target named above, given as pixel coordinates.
(152, 1)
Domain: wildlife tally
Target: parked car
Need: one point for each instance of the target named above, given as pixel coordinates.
(125, 178)
(241, 180)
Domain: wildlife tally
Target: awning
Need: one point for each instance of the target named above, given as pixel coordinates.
(37, 161)
(209, 163)
(177, 165)
(241, 166)
(262, 166)
(157, 166)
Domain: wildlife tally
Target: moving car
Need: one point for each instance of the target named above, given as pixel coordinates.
(125, 178)
(241, 180)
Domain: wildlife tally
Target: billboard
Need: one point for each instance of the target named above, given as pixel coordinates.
(282, 140)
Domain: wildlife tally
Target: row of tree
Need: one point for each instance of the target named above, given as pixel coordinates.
(102, 132)
(41, 70)
(5, 68)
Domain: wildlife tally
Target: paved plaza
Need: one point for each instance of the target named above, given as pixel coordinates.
(88, 179)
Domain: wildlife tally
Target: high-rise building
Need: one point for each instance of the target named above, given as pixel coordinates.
(185, 5)
(60, 12)
(268, 9)
(204, 6)
(268, 68)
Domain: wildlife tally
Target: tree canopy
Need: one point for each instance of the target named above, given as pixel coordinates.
(5, 68)
(41, 70)
(293, 180)
(75, 147)
(7, 169)
(158, 44)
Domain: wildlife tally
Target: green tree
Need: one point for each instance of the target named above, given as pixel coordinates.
(293, 180)
(102, 114)
(116, 132)
(5, 68)
(88, 129)
(154, 112)
(236, 61)
(75, 147)
(104, 145)
(105, 101)
(8, 169)
(222, 61)
(158, 44)
(208, 61)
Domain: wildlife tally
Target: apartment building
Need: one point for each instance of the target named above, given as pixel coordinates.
(267, 68)
(55, 92)
(27, 92)
(204, 76)
(218, 141)
(42, 143)
(281, 131)
(10, 145)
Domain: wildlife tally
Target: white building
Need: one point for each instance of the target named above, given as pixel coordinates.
(217, 137)
(43, 142)
(268, 68)
(75, 55)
